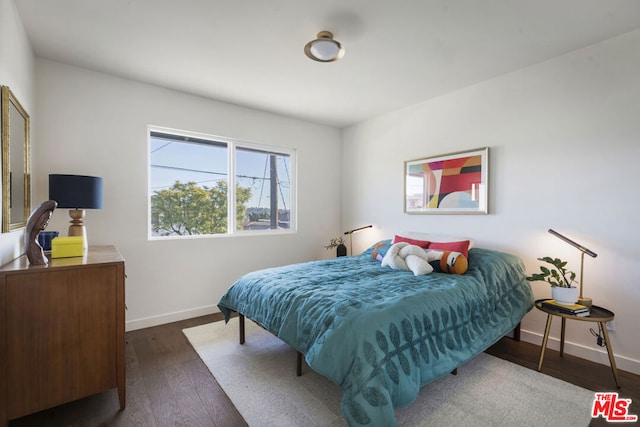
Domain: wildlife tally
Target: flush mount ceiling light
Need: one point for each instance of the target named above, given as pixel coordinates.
(324, 48)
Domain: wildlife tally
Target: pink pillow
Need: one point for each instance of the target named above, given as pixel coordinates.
(462, 247)
(424, 244)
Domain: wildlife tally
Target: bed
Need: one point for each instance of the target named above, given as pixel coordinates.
(381, 333)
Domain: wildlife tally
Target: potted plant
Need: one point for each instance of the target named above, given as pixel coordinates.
(338, 243)
(561, 280)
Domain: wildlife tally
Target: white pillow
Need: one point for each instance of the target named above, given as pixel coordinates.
(431, 237)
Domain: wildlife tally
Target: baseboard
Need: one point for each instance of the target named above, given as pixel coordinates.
(147, 322)
(598, 355)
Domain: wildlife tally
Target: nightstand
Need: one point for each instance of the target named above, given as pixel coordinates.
(598, 315)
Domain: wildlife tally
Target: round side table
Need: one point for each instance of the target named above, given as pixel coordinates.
(598, 315)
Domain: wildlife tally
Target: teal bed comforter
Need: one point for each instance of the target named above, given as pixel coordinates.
(381, 334)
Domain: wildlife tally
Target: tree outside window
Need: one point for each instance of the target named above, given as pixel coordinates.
(189, 186)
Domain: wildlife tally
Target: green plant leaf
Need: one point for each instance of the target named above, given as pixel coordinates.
(555, 277)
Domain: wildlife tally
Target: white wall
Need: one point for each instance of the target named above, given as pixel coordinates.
(564, 140)
(17, 72)
(95, 124)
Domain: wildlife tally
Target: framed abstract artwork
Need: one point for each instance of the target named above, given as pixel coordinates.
(456, 183)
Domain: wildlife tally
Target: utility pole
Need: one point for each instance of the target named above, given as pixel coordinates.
(273, 177)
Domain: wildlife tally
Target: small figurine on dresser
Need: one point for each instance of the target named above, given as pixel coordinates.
(38, 221)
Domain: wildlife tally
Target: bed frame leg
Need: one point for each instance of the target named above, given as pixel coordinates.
(454, 372)
(516, 333)
(241, 318)
(298, 354)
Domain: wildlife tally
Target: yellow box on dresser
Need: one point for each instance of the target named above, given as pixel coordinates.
(66, 247)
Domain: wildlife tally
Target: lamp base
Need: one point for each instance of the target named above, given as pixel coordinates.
(586, 301)
(77, 227)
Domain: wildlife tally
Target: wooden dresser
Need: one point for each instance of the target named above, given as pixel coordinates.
(61, 331)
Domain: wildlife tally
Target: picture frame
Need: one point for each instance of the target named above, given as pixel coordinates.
(454, 183)
(16, 163)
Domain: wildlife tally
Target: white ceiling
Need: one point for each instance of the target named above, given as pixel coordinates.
(250, 52)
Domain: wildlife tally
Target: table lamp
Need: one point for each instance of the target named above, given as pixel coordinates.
(76, 192)
(581, 299)
(350, 233)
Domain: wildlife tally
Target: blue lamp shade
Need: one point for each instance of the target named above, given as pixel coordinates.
(76, 191)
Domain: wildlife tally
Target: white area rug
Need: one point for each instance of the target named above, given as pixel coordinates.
(259, 377)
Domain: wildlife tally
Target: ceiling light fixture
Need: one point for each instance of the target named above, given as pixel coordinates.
(324, 48)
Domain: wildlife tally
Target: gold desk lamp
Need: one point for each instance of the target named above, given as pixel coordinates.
(581, 299)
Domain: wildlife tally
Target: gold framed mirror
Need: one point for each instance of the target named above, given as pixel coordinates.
(16, 173)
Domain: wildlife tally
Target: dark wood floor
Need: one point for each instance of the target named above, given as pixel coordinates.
(168, 384)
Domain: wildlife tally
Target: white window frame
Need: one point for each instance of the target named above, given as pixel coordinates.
(232, 144)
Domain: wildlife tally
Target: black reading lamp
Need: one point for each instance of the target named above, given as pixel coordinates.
(350, 233)
(581, 299)
(76, 192)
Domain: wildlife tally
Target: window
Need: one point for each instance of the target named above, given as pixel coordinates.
(191, 193)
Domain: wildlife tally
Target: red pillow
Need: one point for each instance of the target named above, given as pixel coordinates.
(462, 247)
(424, 244)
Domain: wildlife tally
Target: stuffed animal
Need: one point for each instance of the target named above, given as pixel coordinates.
(442, 261)
(406, 257)
(448, 261)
